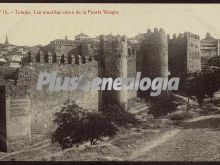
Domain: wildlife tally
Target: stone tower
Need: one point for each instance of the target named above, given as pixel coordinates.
(152, 59)
(184, 55)
(112, 63)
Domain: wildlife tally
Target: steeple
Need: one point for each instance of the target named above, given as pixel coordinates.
(6, 40)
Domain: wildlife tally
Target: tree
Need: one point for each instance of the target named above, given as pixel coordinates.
(194, 86)
(96, 126)
(76, 125)
(202, 83)
(162, 104)
(69, 130)
(211, 81)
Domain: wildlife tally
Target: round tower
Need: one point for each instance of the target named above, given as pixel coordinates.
(154, 50)
(113, 64)
(154, 56)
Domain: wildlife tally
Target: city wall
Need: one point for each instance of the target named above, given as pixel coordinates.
(15, 117)
(44, 104)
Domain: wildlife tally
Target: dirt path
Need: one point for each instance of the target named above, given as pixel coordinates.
(198, 141)
(188, 145)
(152, 144)
(36, 146)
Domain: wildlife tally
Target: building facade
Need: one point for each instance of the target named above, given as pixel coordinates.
(184, 54)
(210, 47)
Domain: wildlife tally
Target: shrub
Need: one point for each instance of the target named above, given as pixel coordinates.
(119, 115)
(75, 125)
(69, 123)
(96, 125)
(162, 104)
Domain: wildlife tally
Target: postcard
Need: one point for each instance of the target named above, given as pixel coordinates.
(109, 82)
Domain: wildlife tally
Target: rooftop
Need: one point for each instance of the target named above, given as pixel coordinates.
(209, 37)
(81, 35)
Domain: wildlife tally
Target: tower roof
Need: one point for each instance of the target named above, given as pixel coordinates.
(209, 36)
(81, 35)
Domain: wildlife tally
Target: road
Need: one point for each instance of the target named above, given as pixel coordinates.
(198, 140)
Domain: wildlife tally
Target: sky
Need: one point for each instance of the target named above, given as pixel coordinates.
(132, 19)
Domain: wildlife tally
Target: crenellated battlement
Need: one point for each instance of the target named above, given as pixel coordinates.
(157, 36)
(48, 57)
(113, 46)
(156, 30)
(154, 52)
(186, 35)
(152, 58)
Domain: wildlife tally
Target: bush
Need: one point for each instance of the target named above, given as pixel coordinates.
(69, 125)
(75, 125)
(119, 115)
(162, 105)
(96, 125)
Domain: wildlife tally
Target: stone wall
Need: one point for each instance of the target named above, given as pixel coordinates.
(15, 117)
(44, 104)
(131, 95)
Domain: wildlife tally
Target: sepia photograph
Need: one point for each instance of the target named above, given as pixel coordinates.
(109, 82)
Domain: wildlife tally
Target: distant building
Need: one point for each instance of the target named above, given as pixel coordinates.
(140, 37)
(6, 41)
(3, 51)
(210, 47)
(60, 46)
(65, 50)
(133, 40)
(81, 37)
(3, 62)
(214, 61)
(7, 48)
(13, 64)
(184, 54)
(15, 60)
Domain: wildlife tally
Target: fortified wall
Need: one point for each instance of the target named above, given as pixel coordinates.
(15, 117)
(44, 104)
(56, 57)
(115, 59)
